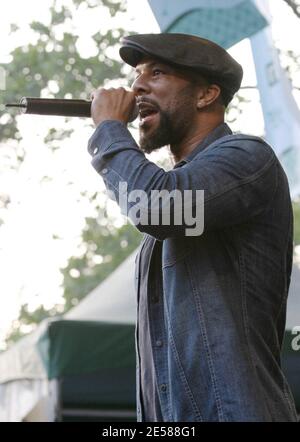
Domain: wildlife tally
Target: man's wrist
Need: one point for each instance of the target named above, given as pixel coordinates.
(101, 120)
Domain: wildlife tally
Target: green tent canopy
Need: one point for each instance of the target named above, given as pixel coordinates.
(80, 368)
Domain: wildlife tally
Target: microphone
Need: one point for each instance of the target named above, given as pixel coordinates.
(59, 107)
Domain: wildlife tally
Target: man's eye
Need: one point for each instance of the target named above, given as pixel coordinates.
(157, 72)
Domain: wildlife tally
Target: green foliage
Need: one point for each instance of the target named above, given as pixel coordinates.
(104, 248)
(296, 209)
(57, 60)
(27, 321)
(51, 59)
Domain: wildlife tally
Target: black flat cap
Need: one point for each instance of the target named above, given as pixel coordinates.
(183, 50)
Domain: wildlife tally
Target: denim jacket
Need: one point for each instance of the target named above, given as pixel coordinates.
(221, 315)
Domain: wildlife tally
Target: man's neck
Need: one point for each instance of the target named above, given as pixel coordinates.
(192, 140)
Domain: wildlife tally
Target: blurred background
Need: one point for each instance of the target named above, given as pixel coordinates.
(66, 252)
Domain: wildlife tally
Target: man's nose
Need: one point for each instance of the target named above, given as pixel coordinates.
(140, 85)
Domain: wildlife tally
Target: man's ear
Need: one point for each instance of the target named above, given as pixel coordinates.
(208, 95)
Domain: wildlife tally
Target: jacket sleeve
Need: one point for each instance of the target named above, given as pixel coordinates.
(226, 184)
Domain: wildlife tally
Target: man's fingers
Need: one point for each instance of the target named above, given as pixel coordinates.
(113, 104)
(120, 89)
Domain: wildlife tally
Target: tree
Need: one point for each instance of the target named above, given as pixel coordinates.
(27, 320)
(103, 247)
(296, 209)
(53, 65)
(294, 5)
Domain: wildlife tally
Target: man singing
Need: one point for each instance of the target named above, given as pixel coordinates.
(211, 303)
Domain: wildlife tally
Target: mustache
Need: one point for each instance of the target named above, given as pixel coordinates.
(142, 99)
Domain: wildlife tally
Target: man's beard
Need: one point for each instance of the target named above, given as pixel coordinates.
(173, 125)
(161, 136)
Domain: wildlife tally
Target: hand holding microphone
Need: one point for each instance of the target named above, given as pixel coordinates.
(101, 109)
(113, 104)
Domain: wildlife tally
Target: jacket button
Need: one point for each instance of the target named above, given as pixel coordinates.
(163, 387)
(159, 343)
(96, 150)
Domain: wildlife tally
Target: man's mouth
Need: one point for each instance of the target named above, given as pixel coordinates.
(147, 113)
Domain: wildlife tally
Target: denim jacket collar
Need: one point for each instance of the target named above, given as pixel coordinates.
(220, 131)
